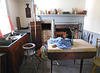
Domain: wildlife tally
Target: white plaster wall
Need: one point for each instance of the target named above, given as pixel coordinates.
(60, 5)
(13, 11)
(17, 8)
(22, 5)
(92, 20)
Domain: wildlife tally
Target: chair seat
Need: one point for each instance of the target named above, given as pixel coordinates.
(97, 61)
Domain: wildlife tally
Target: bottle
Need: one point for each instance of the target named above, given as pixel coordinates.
(72, 39)
(75, 11)
(48, 12)
(45, 11)
(55, 11)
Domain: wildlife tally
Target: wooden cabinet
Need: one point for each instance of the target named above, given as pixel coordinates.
(37, 40)
(15, 54)
(3, 63)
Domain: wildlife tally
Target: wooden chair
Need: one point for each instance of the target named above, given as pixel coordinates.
(76, 34)
(96, 61)
(60, 34)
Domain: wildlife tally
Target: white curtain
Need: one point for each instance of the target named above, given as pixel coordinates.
(5, 23)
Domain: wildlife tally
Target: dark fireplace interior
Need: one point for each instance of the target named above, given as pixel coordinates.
(46, 26)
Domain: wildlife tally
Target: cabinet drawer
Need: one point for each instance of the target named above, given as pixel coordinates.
(3, 65)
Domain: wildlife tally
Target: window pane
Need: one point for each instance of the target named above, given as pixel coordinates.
(3, 8)
(4, 20)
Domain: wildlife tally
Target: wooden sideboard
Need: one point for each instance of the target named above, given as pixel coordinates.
(38, 39)
(3, 67)
(14, 54)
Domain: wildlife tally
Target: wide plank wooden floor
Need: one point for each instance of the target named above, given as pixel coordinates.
(66, 66)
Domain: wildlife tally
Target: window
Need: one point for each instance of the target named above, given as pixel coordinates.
(5, 23)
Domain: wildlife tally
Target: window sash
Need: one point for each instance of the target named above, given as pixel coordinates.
(5, 24)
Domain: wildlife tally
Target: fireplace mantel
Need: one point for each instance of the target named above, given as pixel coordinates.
(63, 18)
(54, 21)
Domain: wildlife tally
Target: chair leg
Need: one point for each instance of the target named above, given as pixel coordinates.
(25, 58)
(34, 65)
(38, 58)
(93, 69)
(74, 61)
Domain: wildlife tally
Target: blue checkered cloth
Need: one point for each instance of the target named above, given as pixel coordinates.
(60, 42)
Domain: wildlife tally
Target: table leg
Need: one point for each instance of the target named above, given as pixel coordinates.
(51, 65)
(81, 65)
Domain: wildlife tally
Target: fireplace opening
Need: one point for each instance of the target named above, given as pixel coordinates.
(67, 30)
(47, 32)
(46, 26)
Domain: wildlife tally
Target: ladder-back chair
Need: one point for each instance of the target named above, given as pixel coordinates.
(60, 34)
(96, 60)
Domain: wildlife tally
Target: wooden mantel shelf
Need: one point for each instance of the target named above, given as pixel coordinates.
(61, 15)
(62, 18)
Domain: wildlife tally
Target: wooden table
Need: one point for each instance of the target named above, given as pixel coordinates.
(79, 50)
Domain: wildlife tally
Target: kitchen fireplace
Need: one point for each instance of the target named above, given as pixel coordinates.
(64, 22)
(47, 30)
